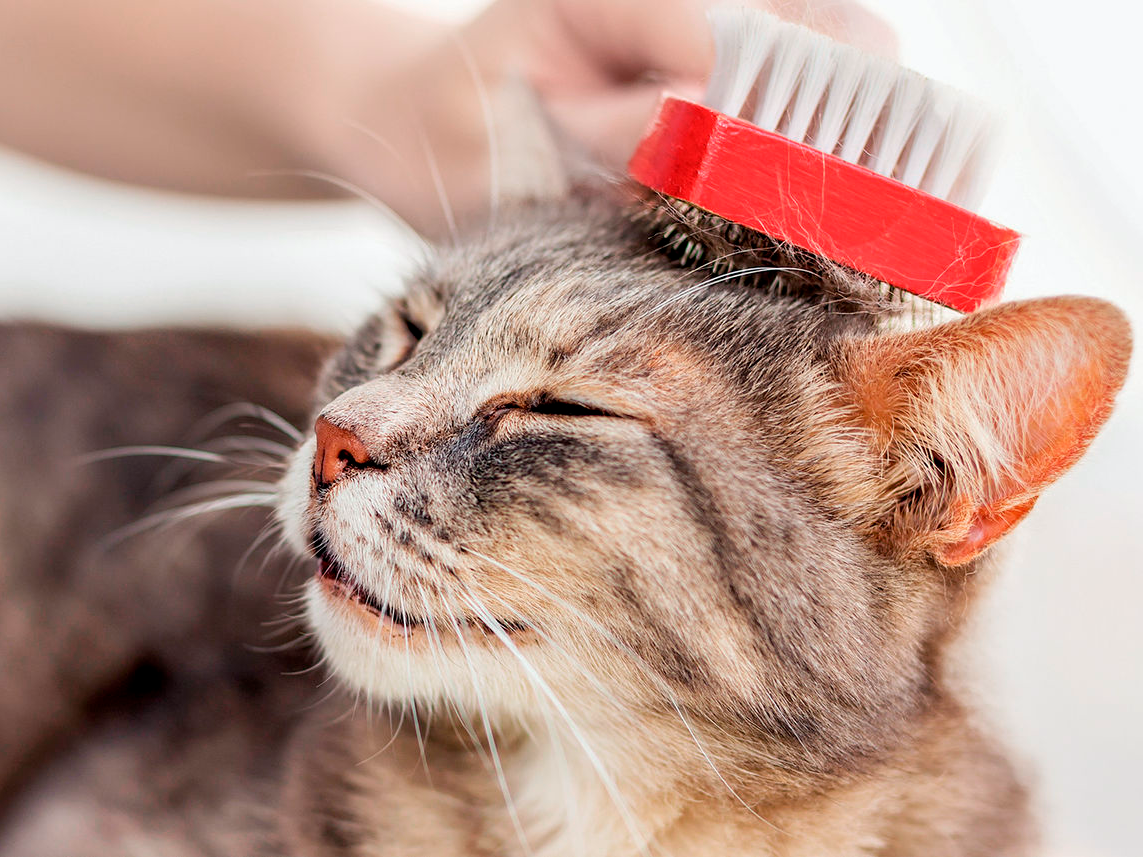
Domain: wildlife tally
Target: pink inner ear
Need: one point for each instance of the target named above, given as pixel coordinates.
(985, 527)
(1037, 379)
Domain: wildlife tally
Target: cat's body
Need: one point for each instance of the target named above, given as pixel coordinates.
(134, 708)
(621, 562)
(835, 731)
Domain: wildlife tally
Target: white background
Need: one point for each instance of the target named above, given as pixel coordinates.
(1063, 634)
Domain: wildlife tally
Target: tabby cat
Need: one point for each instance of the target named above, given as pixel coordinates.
(643, 562)
(609, 557)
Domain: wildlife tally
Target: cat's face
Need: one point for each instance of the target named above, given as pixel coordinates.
(581, 483)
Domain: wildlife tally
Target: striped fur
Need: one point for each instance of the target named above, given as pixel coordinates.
(716, 586)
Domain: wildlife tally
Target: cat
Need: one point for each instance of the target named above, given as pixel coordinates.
(657, 565)
(133, 701)
(606, 557)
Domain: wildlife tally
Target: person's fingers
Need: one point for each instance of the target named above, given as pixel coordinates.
(601, 65)
(629, 39)
(842, 20)
(608, 125)
(865, 29)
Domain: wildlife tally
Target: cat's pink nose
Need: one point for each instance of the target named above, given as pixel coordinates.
(337, 450)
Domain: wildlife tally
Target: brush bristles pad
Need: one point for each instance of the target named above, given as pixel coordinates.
(844, 155)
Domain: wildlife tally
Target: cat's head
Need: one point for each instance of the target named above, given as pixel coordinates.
(562, 477)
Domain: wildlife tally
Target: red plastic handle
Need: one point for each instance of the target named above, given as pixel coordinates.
(843, 212)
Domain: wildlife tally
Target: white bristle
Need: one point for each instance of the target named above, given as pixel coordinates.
(872, 93)
(968, 128)
(747, 37)
(789, 58)
(816, 76)
(848, 66)
(973, 182)
(936, 111)
(904, 109)
(857, 106)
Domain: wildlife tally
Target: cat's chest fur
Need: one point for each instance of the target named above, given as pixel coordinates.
(444, 793)
(361, 788)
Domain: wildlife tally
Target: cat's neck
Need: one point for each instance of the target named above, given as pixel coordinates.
(592, 796)
(568, 801)
(429, 787)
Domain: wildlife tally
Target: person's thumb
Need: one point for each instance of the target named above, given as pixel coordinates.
(609, 124)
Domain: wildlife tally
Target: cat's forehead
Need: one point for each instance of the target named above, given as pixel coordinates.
(569, 264)
(569, 296)
(567, 279)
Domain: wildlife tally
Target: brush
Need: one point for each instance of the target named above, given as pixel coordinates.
(810, 150)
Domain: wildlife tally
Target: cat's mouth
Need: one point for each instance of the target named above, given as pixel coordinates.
(341, 583)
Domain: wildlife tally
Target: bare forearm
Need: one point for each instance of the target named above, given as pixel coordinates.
(196, 95)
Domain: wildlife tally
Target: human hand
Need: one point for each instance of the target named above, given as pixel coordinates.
(599, 67)
(262, 97)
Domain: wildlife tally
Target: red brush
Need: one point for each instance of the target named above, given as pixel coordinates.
(847, 156)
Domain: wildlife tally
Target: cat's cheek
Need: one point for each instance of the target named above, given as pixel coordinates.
(292, 510)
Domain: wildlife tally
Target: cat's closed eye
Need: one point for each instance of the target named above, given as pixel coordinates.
(413, 327)
(562, 408)
(551, 406)
(380, 345)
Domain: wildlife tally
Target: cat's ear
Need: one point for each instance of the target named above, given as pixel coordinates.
(536, 158)
(530, 156)
(974, 418)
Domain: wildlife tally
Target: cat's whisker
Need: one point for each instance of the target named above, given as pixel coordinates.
(408, 231)
(558, 750)
(206, 497)
(322, 662)
(712, 281)
(394, 729)
(435, 651)
(236, 410)
(492, 137)
(297, 601)
(285, 619)
(183, 513)
(317, 666)
(356, 704)
(117, 452)
(412, 698)
(218, 488)
(394, 732)
(269, 530)
(349, 187)
(287, 646)
(289, 569)
(381, 141)
(493, 751)
(438, 185)
(294, 623)
(549, 641)
(546, 691)
(176, 454)
(249, 443)
(639, 661)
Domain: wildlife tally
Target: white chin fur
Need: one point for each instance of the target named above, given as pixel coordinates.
(388, 671)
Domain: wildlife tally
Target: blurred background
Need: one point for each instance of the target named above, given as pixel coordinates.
(1063, 640)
